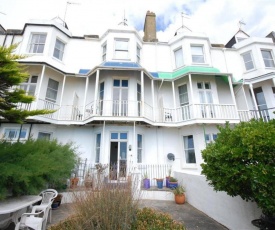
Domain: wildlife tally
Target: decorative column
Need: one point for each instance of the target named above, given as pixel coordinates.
(39, 87)
(142, 92)
(96, 92)
(61, 98)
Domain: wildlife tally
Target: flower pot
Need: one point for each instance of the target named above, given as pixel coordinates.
(74, 182)
(167, 181)
(146, 183)
(173, 184)
(180, 199)
(160, 183)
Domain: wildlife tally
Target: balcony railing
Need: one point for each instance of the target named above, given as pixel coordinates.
(138, 109)
(199, 111)
(265, 114)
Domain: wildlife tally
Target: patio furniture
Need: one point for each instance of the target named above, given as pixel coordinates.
(11, 208)
(48, 196)
(36, 220)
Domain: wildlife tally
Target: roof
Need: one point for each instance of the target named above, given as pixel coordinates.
(160, 75)
(185, 70)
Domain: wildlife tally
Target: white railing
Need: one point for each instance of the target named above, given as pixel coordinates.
(266, 114)
(154, 171)
(199, 111)
(48, 105)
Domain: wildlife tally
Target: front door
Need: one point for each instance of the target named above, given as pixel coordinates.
(118, 156)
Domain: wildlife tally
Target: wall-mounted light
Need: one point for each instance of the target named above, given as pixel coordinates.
(130, 147)
(171, 156)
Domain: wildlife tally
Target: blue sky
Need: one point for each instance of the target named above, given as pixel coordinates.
(218, 19)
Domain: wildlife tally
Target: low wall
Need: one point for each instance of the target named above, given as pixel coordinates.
(232, 212)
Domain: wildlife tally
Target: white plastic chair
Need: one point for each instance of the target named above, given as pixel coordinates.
(48, 196)
(36, 220)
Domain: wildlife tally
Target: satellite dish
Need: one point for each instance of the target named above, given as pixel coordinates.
(171, 156)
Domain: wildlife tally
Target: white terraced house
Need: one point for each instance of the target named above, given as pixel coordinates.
(131, 101)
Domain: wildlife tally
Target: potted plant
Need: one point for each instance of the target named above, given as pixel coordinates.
(73, 181)
(179, 194)
(159, 182)
(146, 181)
(88, 180)
(173, 182)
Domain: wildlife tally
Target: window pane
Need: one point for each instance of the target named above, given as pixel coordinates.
(121, 45)
(123, 135)
(248, 61)
(189, 149)
(178, 58)
(116, 82)
(42, 135)
(196, 50)
(123, 150)
(124, 83)
(114, 136)
(34, 79)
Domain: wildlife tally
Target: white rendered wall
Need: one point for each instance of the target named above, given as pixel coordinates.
(232, 212)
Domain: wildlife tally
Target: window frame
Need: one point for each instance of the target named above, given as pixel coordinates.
(29, 84)
(53, 100)
(178, 62)
(138, 53)
(60, 51)
(33, 45)
(212, 138)
(16, 135)
(268, 60)
(197, 55)
(42, 132)
(97, 147)
(139, 149)
(251, 60)
(104, 51)
(118, 51)
(187, 148)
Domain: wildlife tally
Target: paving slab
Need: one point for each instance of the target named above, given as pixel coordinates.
(192, 218)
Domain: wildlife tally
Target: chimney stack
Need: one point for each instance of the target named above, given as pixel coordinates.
(150, 34)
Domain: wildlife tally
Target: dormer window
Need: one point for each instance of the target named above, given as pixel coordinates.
(121, 48)
(104, 51)
(268, 59)
(248, 61)
(37, 43)
(178, 57)
(59, 49)
(138, 53)
(197, 54)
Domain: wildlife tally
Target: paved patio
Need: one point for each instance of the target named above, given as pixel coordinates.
(187, 214)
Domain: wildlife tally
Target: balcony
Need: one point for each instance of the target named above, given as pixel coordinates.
(139, 111)
(265, 114)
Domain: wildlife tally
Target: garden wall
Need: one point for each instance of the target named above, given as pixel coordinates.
(232, 212)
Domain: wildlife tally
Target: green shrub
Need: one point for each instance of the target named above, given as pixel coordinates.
(27, 168)
(148, 218)
(242, 162)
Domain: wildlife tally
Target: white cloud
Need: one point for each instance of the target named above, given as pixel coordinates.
(218, 19)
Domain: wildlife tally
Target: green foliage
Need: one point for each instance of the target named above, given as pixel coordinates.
(179, 190)
(28, 167)
(242, 162)
(148, 218)
(173, 179)
(13, 74)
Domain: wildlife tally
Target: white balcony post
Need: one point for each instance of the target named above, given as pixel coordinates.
(232, 93)
(61, 98)
(85, 96)
(142, 93)
(192, 96)
(153, 98)
(174, 99)
(253, 96)
(40, 84)
(96, 90)
(273, 79)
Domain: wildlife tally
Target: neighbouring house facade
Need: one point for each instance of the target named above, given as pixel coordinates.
(127, 100)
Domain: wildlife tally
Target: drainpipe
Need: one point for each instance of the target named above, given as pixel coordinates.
(30, 131)
(19, 132)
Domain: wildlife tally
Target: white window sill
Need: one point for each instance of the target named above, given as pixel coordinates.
(189, 166)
